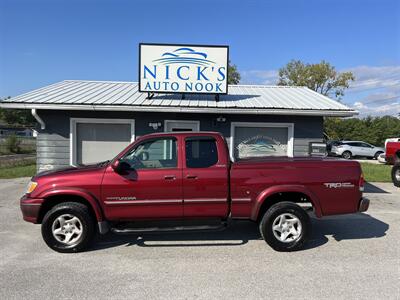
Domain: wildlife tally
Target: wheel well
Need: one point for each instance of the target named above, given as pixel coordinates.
(397, 158)
(52, 201)
(294, 197)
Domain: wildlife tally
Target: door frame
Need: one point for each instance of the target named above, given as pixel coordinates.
(197, 122)
(72, 132)
(289, 126)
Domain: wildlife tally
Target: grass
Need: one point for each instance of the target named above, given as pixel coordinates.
(377, 173)
(26, 169)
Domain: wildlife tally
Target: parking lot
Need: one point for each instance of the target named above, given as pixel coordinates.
(352, 256)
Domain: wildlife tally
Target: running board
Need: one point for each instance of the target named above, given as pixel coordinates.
(168, 229)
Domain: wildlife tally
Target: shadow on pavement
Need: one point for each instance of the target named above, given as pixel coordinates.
(358, 226)
(370, 188)
(346, 227)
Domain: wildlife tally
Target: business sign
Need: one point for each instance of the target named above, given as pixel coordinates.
(165, 68)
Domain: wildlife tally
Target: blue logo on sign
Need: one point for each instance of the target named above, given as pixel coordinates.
(184, 55)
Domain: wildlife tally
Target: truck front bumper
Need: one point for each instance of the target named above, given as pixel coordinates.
(363, 205)
(30, 208)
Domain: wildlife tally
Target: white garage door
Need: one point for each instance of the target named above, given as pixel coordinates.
(99, 140)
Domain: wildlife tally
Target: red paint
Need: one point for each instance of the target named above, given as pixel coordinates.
(238, 188)
(392, 152)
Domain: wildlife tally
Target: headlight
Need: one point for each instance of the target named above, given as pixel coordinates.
(31, 187)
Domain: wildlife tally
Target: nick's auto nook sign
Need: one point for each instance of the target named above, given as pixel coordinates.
(183, 69)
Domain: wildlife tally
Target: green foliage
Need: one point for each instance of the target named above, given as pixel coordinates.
(371, 130)
(322, 77)
(21, 117)
(13, 144)
(233, 74)
(18, 171)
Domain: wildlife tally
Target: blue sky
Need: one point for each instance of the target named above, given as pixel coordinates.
(45, 41)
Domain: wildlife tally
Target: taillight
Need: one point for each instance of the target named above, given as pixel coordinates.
(361, 182)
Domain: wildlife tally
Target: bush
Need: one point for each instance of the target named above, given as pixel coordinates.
(13, 144)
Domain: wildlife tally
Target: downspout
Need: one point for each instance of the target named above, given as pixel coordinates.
(38, 119)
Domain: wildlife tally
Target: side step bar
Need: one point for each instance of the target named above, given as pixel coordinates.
(168, 229)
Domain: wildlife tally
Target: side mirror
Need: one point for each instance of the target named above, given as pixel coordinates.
(121, 167)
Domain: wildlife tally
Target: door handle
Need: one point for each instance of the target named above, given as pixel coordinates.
(169, 177)
(191, 176)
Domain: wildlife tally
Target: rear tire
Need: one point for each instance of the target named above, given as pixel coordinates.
(377, 154)
(285, 226)
(396, 175)
(346, 155)
(68, 227)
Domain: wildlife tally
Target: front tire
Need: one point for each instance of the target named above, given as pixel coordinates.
(68, 227)
(396, 175)
(285, 226)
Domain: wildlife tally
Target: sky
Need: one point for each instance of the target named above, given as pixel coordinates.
(46, 41)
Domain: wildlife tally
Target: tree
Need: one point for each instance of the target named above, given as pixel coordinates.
(16, 117)
(373, 130)
(233, 74)
(322, 77)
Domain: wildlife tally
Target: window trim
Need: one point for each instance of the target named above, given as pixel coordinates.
(197, 122)
(72, 132)
(289, 126)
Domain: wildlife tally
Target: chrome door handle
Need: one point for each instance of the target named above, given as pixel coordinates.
(191, 176)
(169, 177)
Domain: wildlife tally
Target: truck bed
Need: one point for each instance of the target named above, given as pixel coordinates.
(330, 184)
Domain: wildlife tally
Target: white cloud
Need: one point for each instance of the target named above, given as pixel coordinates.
(375, 91)
(392, 109)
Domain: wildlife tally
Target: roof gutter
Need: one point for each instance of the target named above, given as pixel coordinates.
(213, 110)
(38, 119)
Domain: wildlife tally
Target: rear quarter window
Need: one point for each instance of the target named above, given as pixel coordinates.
(201, 152)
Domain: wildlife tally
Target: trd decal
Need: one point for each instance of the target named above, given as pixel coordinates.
(339, 185)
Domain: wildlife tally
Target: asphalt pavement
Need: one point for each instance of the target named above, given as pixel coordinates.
(352, 256)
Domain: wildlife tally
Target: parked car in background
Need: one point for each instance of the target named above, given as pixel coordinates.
(349, 149)
(382, 158)
(392, 147)
(391, 140)
(330, 144)
(393, 157)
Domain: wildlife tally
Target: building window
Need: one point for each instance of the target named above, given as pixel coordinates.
(201, 152)
(261, 140)
(95, 140)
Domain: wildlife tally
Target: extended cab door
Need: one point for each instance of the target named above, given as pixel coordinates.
(205, 177)
(152, 185)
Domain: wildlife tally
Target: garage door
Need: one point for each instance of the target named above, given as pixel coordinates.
(99, 141)
(260, 140)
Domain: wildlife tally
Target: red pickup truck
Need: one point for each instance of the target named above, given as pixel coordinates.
(186, 181)
(393, 158)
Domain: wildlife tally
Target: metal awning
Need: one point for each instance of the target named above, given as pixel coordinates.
(124, 96)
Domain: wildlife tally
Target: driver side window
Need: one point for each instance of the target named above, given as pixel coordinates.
(153, 154)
